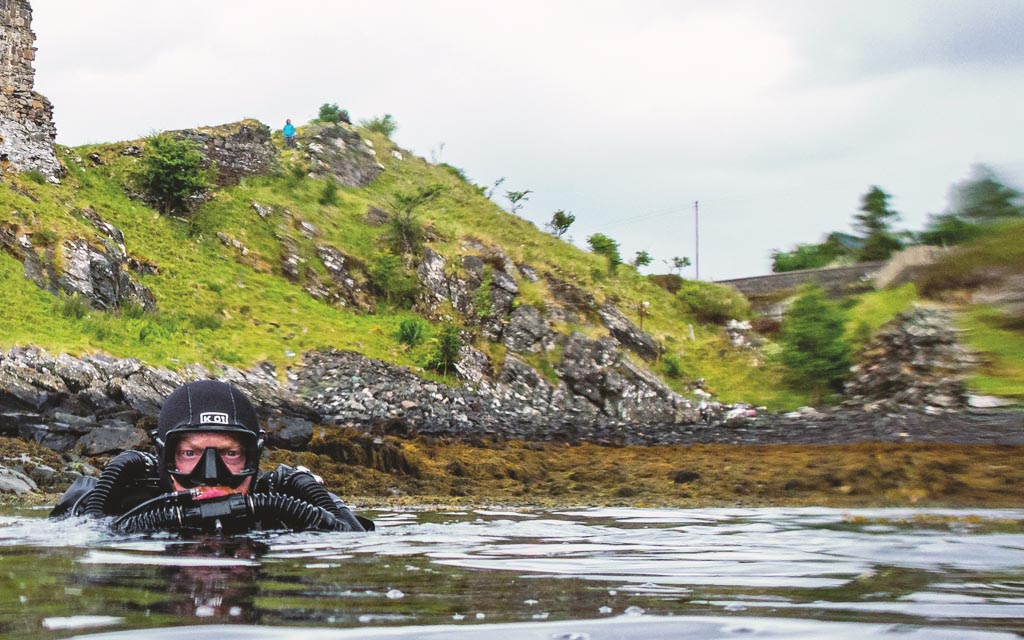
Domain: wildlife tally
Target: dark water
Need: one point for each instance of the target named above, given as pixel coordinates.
(581, 574)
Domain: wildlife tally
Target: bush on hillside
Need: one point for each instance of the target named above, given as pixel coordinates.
(412, 331)
(331, 113)
(605, 246)
(171, 172)
(329, 193)
(388, 278)
(713, 303)
(384, 125)
(813, 347)
(446, 351)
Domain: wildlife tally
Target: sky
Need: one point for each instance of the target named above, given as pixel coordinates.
(773, 116)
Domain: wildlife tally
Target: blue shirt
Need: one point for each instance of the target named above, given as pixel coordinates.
(289, 130)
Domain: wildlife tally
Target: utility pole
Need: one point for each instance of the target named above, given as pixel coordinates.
(696, 237)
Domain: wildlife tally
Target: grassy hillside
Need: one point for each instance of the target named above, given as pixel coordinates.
(217, 306)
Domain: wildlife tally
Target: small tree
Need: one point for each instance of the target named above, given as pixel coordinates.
(489, 193)
(813, 347)
(642, 259)
(560, 222)
(331, 112)
(874, 223)
(384, 125)
(171, 172)
(605, 246)
(405, 233)
(517, 199)
(677, 264)
(446, 351)
(389, 278)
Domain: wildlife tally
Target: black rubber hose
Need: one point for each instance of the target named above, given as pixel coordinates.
(116, 476)
(155, 519)
(291, 513)
(303, 485)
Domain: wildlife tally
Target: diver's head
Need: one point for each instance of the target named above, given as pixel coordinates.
(208, 435)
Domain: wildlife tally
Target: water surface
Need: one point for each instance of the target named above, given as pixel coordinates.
(581, 574)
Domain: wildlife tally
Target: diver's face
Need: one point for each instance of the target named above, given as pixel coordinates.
(190, 449)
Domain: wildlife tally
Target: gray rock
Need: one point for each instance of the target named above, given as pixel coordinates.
(627, 333)
(289, 432)
(15, 482)
(99, 275)
(238, 149)
(44, 476)
(337, 151)
(111, 440)
(527, 332)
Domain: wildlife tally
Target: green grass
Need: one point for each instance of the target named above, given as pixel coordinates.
(216, 305)
(1000, 341)
(870, 311)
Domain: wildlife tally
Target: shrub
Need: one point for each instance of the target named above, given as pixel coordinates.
(412, 331)
(813, 347)
(713, 303)
(330, 112)
(605, 246)
(673, 367)
(44, 238)
(72, 306)
(171, 172)
(389, 278)
(329, 193)
(209, 321)
(384, 125)
(34, 175)
(446, 351)
(482, 304)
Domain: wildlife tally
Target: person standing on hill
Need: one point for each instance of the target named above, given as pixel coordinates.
(289, 133)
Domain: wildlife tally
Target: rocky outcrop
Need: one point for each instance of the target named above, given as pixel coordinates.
(915, 362)
(339, 152)
(100, 273)
(27, 132)
(627, 333)
(239, 149)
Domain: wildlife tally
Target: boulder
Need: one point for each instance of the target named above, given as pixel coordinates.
(99, 275)
(627, 333)
(112, 440)
(338, 152)
(15, 482)
(289, 432)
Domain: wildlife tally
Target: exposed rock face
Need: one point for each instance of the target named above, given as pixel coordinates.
(527, 332)
(100, 276)
(346, 290)
(99, 273)
(596, 370)
(239, 149)
(27, 132)
(627, 333)
(338, 151)
(916, 362)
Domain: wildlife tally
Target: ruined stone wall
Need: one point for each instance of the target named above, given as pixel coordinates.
(27, 131)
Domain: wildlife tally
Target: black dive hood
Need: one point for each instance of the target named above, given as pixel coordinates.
(207, 406)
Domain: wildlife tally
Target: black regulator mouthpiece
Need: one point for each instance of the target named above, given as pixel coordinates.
(210, 471)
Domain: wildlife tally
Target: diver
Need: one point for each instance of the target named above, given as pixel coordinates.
(205, 476)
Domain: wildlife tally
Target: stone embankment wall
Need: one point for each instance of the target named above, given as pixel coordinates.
(837, 280)
(27, 132)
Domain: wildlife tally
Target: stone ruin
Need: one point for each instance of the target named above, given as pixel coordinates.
(27, 132)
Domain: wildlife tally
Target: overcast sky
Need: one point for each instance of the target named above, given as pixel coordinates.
(775, 115)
